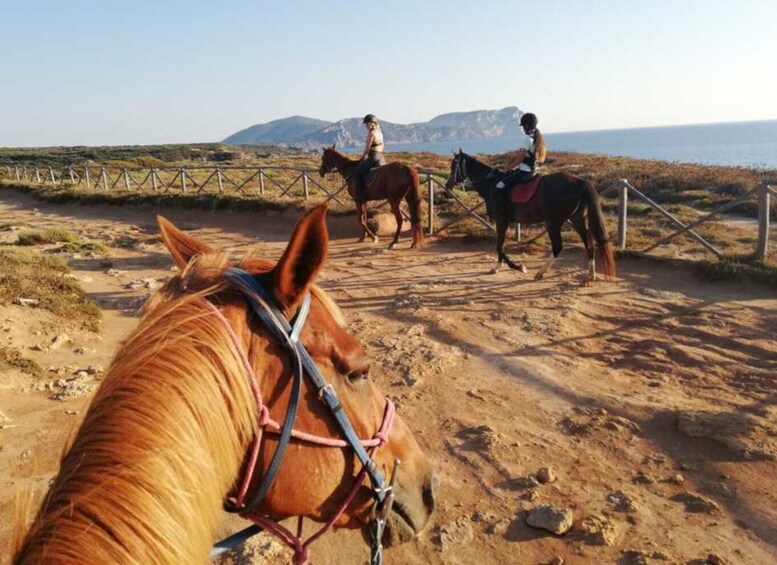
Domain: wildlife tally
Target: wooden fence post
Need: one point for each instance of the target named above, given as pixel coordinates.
(762, 248)
(623, 206)
(51, 176)
(305, 184)
(37, 175)
(183, 180)
(218, 177)
(126, 179)
(430, 198)
(18, 176)
(153, 179)
(86, 176)
(517, 231)
(72, 175)
(104, 175)
(261, 181)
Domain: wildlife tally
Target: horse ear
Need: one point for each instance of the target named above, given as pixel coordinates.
(303, 259)
(180, 245)
(333, 145)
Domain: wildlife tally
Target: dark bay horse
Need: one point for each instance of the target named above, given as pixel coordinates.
(199, 396)
(393, 182)
(559, 197)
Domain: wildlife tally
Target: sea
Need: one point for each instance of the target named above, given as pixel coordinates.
(738, 144)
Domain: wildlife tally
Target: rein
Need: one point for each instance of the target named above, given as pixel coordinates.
(263, 306)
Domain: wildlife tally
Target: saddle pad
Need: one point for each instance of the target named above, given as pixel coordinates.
(523, 192)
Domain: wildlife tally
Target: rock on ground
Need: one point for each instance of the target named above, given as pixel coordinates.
(549, 517)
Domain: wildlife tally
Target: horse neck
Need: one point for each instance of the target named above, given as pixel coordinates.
(476, 171)
(344, 165)
(157, 453)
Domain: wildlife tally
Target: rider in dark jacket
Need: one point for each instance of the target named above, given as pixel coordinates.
(531, 152)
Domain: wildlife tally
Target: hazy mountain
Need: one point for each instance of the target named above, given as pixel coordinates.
(286, 130)
(479, 124)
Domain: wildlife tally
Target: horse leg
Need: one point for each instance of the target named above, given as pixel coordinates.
(501, 232)
(554, 231)
(578, 222)
(398, 217)
(362, 208)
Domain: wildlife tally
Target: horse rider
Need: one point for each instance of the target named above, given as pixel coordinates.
(524, 165)
(372, 156)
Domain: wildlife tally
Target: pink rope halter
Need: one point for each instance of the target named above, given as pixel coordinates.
(267, 425)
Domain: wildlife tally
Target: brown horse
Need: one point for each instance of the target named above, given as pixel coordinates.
(559, 197)
(167, 433)
(392, 182)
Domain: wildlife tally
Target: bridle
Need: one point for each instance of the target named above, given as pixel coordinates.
(264, 307)
(459, 174)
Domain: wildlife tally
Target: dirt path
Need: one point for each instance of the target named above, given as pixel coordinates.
(652, 399)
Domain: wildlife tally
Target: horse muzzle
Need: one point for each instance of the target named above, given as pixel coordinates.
(410, 513)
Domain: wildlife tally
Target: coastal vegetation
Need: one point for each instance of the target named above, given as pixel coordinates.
(688, 191)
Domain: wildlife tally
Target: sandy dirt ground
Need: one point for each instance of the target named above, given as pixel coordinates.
(651, 401)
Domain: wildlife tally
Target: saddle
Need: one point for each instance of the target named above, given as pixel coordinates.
(522, 192)
(369, 176)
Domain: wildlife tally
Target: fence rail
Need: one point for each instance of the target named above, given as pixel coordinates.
(301, 182)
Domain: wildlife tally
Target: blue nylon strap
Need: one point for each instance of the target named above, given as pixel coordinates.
(263, 305)
(291, 411)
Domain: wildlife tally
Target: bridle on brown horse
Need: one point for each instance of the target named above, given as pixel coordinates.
(287, 333)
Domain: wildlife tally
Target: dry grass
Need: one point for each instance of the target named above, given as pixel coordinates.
(43, 236)
(686, 190)
(28, 274)
(10, 358)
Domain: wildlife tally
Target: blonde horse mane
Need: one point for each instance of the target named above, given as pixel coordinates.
(175, 415)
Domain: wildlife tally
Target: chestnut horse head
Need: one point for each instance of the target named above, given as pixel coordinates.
(170, 431)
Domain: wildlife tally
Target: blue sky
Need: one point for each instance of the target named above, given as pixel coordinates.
(138, 72)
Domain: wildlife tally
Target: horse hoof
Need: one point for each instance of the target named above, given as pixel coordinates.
(539, 276)
(585, 282)
(523, 269)
(391, 246)
(493, 271)
(375, 239)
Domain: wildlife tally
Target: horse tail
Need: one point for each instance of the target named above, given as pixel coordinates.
(413, 199)
(605, 256)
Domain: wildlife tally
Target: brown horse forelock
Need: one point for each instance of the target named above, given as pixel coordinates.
(163, 440)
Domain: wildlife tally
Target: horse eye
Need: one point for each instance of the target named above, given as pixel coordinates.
(359, 375)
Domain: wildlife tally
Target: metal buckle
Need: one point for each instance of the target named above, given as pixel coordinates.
(380, 513)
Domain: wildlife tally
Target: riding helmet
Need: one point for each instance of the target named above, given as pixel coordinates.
(529, 120)
(370, 118)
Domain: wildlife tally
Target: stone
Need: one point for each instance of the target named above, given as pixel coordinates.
(597, 530)
(551, 518)
(621, 501)
(643, 478)
(458, 532)
(500, 527)
(696, 503)
(59, 341)
(676, 479)
(632, 557)
(546, 475)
